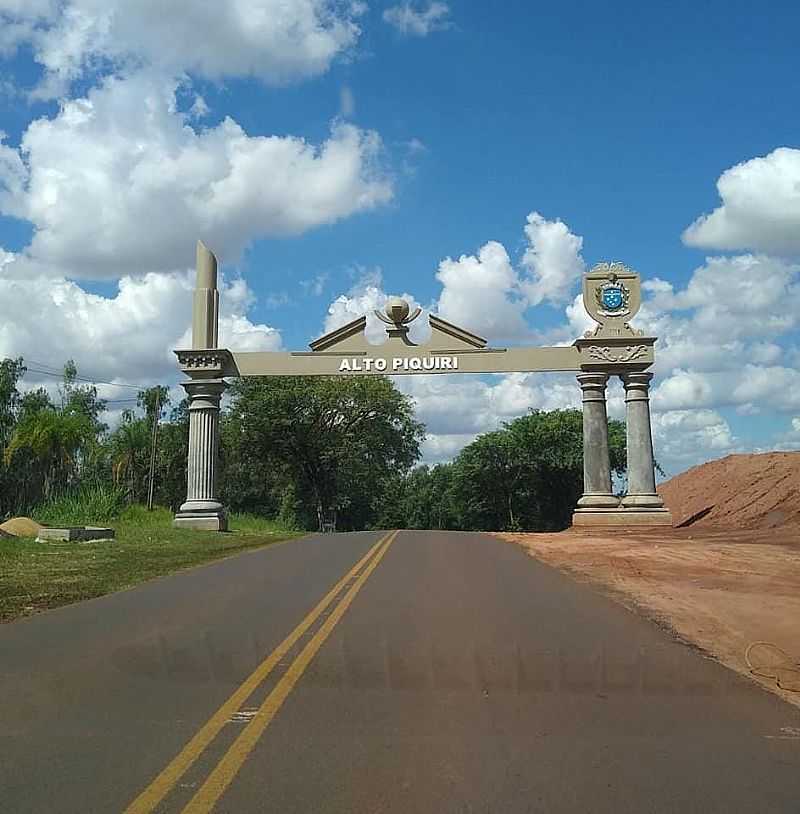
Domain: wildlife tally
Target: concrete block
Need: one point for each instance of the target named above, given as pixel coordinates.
(74, 534)
(623, 517)
(211, 521)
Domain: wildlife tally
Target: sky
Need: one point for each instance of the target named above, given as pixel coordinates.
(475, 158)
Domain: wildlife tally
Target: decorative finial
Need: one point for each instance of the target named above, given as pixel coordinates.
(397, 309)
(398, 315)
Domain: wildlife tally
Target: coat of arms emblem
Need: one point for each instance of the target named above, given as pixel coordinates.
(613, 298)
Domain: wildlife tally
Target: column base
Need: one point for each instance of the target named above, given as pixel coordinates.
(597, 500)
(622, 517)
(645, 500)
(204, 516)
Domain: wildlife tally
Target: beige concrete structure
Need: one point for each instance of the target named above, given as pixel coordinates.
(597, 492)
(202, 509)
(611, 296)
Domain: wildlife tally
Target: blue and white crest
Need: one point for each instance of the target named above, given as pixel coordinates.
(613, 298)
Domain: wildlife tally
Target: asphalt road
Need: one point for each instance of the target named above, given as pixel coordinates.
(449, 673)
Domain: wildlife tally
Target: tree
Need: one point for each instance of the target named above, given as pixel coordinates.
(151, 397)
(421, 499)
(54, 439)
(129, 445)
(489, 480)
(11, 371)
(338, 441)
(528, 475)
(171, 455)
(81, 398)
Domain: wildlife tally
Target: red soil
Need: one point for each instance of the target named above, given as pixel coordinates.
(739, 491)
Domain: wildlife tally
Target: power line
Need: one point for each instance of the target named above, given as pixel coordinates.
(59, 371)
(60, 375)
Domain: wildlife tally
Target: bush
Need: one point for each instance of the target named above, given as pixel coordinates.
(87, 506)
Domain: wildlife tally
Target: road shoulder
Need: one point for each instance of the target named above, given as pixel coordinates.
(720, 591)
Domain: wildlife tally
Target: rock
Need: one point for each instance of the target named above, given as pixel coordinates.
(21, 527)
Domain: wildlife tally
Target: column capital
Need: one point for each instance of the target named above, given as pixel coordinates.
(592, 380)
(204, 394)
(593, 386)
(636, 377)
(637, 385)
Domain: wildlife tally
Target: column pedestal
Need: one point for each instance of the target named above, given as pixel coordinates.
(202, 510)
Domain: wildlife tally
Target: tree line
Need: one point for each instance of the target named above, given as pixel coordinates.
(304, 450)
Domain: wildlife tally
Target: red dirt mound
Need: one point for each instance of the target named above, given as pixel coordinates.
(739, 491)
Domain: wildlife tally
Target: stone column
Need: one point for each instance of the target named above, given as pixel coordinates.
(641, 467)
(202, 509)
(597, 492)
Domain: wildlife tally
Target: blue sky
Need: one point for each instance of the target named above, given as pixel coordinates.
(448, 125)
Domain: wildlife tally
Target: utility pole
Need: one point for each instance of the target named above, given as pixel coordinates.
(156, 416)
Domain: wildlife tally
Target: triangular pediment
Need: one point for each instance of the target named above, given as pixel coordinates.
(348, 337)
(352, 337)
(456, 336)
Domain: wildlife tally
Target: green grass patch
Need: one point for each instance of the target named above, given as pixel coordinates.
(91, 505)
(35, 576)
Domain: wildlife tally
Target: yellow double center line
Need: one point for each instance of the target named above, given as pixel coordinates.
(227, 768)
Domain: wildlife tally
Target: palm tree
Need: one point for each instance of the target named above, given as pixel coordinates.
(55, 439)
(130, 444)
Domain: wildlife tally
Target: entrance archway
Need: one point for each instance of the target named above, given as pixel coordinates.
(611, 296)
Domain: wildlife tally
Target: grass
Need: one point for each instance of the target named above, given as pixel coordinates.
(36, 576)
(87, 506)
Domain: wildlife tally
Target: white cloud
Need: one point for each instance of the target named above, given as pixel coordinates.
(412, 20)
(760, 207)
(363, 299)
(683, 389)
(749, 387)
(773, 386)
(199, 108)
(119, 182)
(482, 293)
(438, 449)
(682, 438)
(273, 40)
(788, 440)
(553, 259)
(488, 295)
(316, 285)
(578, 322)
(765, 353)
(129, 336)
(732, 311)
(722, 343)
(748, 295)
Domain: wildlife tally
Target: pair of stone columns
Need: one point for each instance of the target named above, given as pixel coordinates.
(597, 495)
